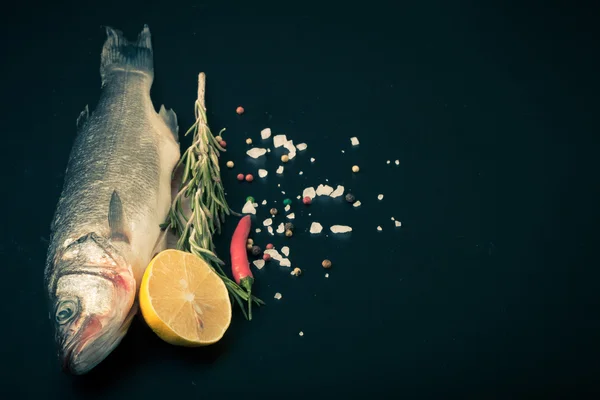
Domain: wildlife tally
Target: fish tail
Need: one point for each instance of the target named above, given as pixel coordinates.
(120, 54)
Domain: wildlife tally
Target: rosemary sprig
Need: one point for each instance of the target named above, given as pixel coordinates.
(199, 208)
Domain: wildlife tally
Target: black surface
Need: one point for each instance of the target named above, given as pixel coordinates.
(489, 289)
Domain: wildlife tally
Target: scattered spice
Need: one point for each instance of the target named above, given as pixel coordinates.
(249, 178)
(273, 211)
(256, 251)
(249, 246)
(240, 177)
(350, 198)
(355, 169)
(287, 202)
(266, 257)
(285, 158)
(229, 164)
(250, 241)
(289, 233)
(307, 200)
(248, 141)
(289, 226)
(239, 110)
(270, 246)
(326, 264)
(223, 143)
(297, 271)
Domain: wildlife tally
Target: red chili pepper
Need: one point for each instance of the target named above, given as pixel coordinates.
(240, 267)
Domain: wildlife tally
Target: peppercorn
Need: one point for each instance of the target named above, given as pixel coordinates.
(326, 264)
(285, 158)
(289, 226)
(266, 257)
(250, 199)
(350, 198)
(256, 251)
(223, 143)
(249, 246)
(287, 202)
(250, 241)
(239, 110)
(307, 200)
(297, 271)
(355, 168)
(270, 246)
(229, 164)
(240, 177)
(289, 233)
(273, 211)
(249, 178)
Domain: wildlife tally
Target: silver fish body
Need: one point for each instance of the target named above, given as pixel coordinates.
(116, 193)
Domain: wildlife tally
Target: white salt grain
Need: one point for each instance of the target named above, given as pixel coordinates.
(280, 169)
(262, 173)
(256, 152)
(380, 197)
(279, 140)
(379, 228)
(285, 250)
(282, 192)
(343, 151)
(258, 230)
(264, 202)
(397, 162)
(300, 173)
(326, 275)
(397, 223)
(357, 203)
(309, 192)
(270, 229)
(337, 192)
(289, 145)
(285, 263)
(248, 208)
(298, 197)
(291, 216)
(301, 333)
(287, 208)
(278, 296)
(301, 146)
(393, 219)
(265, 133)
(312, 160)
(316, 227)
(267, 222)
(354, 141)
(340, 229)
(324, 190)
(259, 263)
(281, 228)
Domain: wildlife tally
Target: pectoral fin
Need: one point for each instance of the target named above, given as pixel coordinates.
(116, 219)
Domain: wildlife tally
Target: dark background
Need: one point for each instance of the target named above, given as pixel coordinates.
(490, 288)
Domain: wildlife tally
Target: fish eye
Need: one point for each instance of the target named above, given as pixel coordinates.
(65, 311)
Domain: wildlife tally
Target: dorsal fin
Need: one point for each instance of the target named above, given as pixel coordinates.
(170, 119)
(83, 117)
(116, 219)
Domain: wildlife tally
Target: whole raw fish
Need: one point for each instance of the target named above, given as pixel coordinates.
(116, 193)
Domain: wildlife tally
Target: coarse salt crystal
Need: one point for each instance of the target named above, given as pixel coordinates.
(274, 254)
(340, 229)
(397, 162)
(298, 197)
(326, 275)
(267, 222)
(259, 263)
(309, 192)
(301, 333)
(379, 228)
(324, 190)
(300, 173)
(380, 197)
(270, 229)
(316, 227)
(280, 169)
(289, 145)
(312, 160)
(301, 146)
(249, 208)
(393, 218)
(262, 173)
(387, 162)
(354, 141)
(287, 208)
(357, 203)
(343, 151)
(264, 202)
(282, 192)
(265, 133)
(278, 296)
(337, 192)
(285, 250)
(291, 216)
(256, 152)
(279, 140)
(281, 228)
(258, 230)
(285, 262)
(397, 223)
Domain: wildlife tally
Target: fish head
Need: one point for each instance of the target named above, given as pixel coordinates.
(93, 298)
